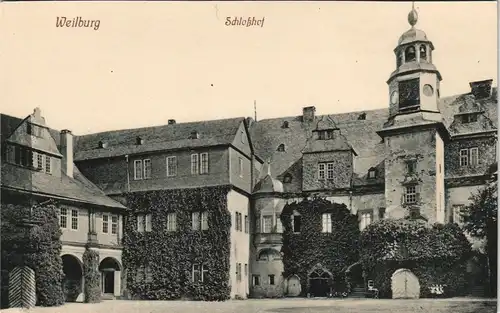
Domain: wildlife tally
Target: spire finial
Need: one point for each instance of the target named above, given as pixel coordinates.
(413, 15)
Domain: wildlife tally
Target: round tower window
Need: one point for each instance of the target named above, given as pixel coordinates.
(428, 90)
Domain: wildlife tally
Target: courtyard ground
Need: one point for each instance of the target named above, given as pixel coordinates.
(277, 306)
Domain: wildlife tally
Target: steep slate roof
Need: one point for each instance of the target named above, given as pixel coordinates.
(77, 188)
(157, 138)
(360, 133)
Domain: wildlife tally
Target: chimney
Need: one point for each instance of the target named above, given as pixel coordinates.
(481, 89)
(67, 152)
(308, 114)
(171, 122)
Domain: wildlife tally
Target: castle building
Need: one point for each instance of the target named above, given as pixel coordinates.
(421, 157)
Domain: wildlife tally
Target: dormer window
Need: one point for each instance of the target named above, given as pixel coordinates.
(34, 130)
(139, 141)
(195, 135)
(325, 134)
(423, 52)
(102, 144)
(469, 118)
(372, 173)
(362, 116)
(281, 148)
(410, 54)
(287, 178)
(285, 124)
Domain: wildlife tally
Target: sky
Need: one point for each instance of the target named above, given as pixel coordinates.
(153, 61)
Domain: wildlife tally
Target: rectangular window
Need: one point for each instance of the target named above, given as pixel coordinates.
(267, 223)
(171, 222)
(147, 169)
(474, 156)
(39, 161)
(256, 280)
(74, 219)
(464, 157)
(381, 213)
(48, 167)
(204, 220)
(105, 223)
(140, 223)
(238, 271)
(327, 222)
(63, 217)
(271, 279)
(321, 171)
(410, 195)
(409, 94)
(457, 215)
(149, 222)
(114, 224)
(296, 223)
(198, 273)
(148, 275)
(240, 163)
(469, 118)
(279, 225)
(247, 224)
(246, 270)
(411, 166)
(204, 163)
(195, 220)
(195, 164)
(171, 166)
(329, 171)
(137, 169)
(366, 219)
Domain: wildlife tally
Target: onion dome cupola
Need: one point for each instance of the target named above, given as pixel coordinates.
(414, 85)
(267, 183)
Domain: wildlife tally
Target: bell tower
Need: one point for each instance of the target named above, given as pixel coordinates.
(414, 133)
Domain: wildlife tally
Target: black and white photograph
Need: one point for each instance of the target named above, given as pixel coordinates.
(248, 156)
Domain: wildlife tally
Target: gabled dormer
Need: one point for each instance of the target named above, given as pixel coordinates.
(471, 117)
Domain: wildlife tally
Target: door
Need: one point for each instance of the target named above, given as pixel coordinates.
(109, 282)
(294, 287)
(405, 285)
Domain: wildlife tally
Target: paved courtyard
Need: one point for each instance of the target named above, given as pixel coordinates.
(277, 306)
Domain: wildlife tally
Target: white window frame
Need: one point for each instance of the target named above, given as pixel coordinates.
(321, 171)
(201, 269)
(114, 224)
(464, 157)
(330, 171)
(326, 219)
(138, 169)
(474, 156)
(267, 229)
(74, 219)
(39, 161)
(365, 220)
(279, 225)
(204, 165)
(195, 164)
(146, 169)
(63, 218)
(410, 194)
(195, 220)
(171, 161)
(48, 164)
(171, 222)
(105, 223)
(204, 220)
(148, 222)
(457, 217)
(140, 223)
(148, 275)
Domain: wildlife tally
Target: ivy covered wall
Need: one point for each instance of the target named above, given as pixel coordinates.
(303, 250)
(170, 255)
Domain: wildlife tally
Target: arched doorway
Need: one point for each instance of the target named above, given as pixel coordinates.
(293, 286)
(110, 276)
(320, 281)
(73, 277)
(355, 280)
(405, 285)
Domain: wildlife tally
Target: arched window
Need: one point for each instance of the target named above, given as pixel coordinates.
(281, 147)
(287, 178)
(423, 52)
(269, 255)
(410, 54)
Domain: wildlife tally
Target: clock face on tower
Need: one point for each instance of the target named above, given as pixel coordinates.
(394, 97)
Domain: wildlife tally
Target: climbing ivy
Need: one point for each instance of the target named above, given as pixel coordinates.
(38, 247)
(171, 254)
(335, 251)
(91, 275)
(436, 254)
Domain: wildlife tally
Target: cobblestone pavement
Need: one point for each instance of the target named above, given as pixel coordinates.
(277, 306)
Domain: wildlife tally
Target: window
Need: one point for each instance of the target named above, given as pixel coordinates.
(256, 280)
(329, 170)
(149, 225)
(171, 222)
(366, 219)
(246, 270)
(267, 223)
(48, 167)
(194, 164)
(238, 271)
(410, 54)
(469, 157)
(464, 157)
(287, 178)
(39, 160)
(285, 124)
(381, 213)
(247, 224)
(271, 279)
(423, 52)
(147, 169)
(34, 130)
(240, 167)
(148, 275)
(321, 171)
(410, 195)
(372, 173)
(137, 169)
(238, 222)
(469, 118)
(171, 166)
(114, 224)
(199, 272)
(474, 156)
(63, 217)
(199, 220)
(409, 93)
(296, 223)
(204, 163)
(74, 219)
(457, 215)
(105, 223)
(411, 167)
(327, 222)
(281, 148)
(140, 223)
(279, 225)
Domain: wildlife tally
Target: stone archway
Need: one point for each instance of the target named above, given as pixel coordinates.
(110, 270)
(319, 281)
(405, 285)
(73, 278)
